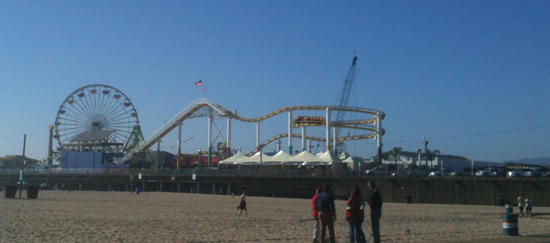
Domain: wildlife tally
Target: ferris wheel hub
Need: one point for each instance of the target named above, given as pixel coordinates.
(96, 122)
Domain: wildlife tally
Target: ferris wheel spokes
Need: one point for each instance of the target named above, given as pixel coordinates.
(96, 116)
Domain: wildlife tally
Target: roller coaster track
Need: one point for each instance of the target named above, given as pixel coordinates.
(205, 108)
(284, 135)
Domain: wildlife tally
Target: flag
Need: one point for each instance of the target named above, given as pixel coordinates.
(198, 83)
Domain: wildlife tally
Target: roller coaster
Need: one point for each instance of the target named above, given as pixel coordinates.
(371, 125)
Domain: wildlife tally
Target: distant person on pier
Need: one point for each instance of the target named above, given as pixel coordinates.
(327, 213)
(521, 204)
(242, 205)
(354, 216)
(315, 216)
(375, 202)
(528, 206)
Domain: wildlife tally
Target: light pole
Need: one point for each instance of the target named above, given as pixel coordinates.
(419, 151)
(426, 151)
(22, 166)
(472, 167)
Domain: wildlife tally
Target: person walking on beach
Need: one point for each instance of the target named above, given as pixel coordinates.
(327, 213)
(354, 216)
(528, 206)
(521, 204)
(315, 216)
(242, 205)
(375, 203)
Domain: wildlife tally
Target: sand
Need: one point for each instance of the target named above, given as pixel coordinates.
(179, 217)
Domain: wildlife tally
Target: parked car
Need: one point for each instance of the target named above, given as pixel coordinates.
(417, 173)
(378, 172)
(514, 173)
(400, 173)
(460, 173)
(497, 171)
(484, 172)
(446, 172)
(531, 173)
(410, 173)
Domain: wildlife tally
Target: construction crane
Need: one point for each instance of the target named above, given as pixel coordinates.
(343, 99)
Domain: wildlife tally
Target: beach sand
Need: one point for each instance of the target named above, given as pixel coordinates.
(58, 216)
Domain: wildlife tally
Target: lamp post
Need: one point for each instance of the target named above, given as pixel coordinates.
(199, 161)
(22, 166)
(472, 167)
(426, 151)
(260, 148)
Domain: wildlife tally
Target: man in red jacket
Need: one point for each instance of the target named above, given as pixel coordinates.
(354, 216)
(315, 216)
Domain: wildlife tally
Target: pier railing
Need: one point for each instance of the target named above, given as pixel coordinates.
(244, 172)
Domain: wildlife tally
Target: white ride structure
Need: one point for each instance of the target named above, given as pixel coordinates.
(206, 108)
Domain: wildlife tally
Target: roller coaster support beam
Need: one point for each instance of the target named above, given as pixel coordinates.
(210, 120)
(379, 139)
(229, 134)
(258, 134)
(290, 132)
(178, 158)
(158, 154)
(327, 130)
(309, 145)
(334, 140)
(303, 138)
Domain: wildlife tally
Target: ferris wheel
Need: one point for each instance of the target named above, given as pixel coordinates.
(96, 117)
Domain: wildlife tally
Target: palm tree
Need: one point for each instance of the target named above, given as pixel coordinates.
(419, 157)
(396, 154)
(383, 156)
(430, 156)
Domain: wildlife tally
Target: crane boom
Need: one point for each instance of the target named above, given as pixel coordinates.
(344, 97)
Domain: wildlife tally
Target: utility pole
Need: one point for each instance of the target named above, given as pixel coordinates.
(426, 151)
(261, 149)
(178, 156)
(22, 165)
(50, 143)
(472, 168)
(158, 154)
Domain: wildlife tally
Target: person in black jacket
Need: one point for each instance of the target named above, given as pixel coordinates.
(375, 203)
(327, 213)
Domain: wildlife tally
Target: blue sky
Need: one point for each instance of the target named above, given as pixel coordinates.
(471, 76)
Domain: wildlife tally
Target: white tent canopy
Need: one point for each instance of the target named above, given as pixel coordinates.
(325, 157)
(302, 158)
(254, 159)
(305, 156)
(235, 159)
(348, 160)
(278, 157)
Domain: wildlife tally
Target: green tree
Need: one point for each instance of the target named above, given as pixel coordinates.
(430, 156)
(383, 156)
(396, 154)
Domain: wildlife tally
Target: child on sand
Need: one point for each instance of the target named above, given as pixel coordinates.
(242, 205)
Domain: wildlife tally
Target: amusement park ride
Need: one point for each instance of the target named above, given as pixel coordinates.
(370, 124)
(96, 121)
(97, 125)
